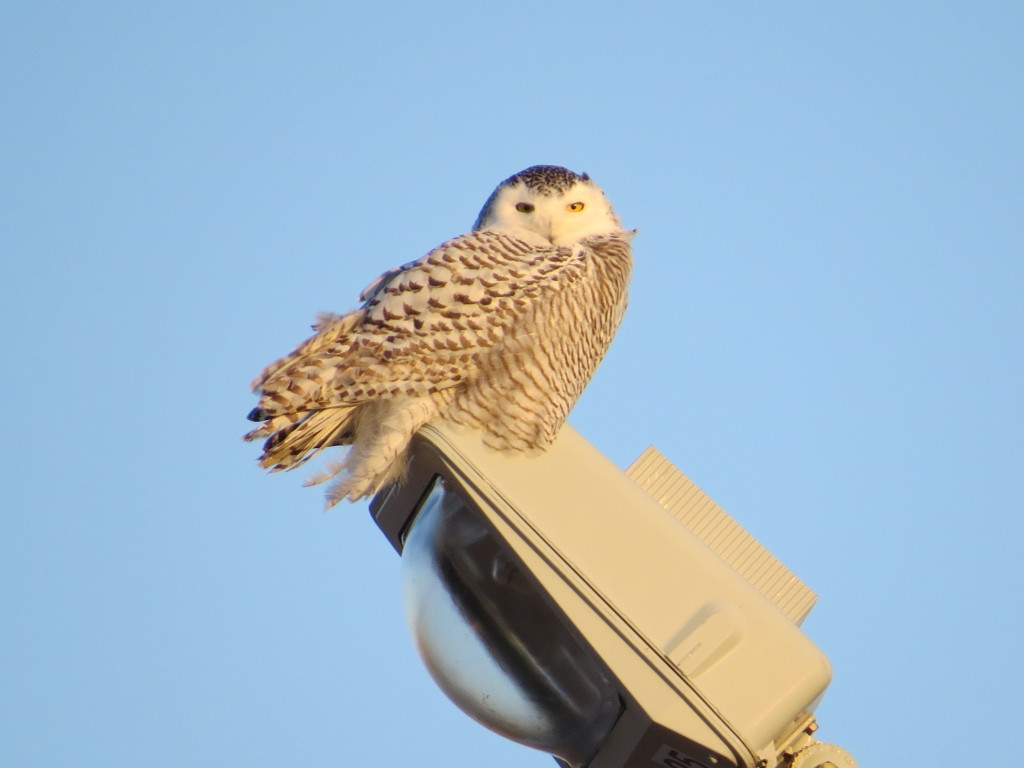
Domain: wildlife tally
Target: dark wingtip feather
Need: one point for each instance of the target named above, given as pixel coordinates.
(257, 414)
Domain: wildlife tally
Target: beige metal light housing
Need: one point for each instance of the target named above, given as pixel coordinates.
(611, 619)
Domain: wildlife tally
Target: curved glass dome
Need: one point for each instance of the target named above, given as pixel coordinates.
(492, 643)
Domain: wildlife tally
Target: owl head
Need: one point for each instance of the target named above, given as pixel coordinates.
(548, 205)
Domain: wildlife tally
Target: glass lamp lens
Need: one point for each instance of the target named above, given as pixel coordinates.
(492, 643)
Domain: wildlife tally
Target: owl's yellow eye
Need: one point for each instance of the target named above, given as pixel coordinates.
(524, 207)
(574, 207)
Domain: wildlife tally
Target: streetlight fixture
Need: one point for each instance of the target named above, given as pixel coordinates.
(610, 619)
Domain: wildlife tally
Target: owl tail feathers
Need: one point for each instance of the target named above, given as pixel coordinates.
(378, 456)
(293, 439)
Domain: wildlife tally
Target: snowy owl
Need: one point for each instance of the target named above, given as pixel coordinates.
(498, 330)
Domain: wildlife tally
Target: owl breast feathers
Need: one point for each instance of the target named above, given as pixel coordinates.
(498, 330)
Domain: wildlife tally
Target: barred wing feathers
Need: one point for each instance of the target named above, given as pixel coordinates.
(476, 331)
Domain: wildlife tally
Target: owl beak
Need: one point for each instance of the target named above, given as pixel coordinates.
(549, 229)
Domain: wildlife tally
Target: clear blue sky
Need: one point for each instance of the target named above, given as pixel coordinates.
(824, 333)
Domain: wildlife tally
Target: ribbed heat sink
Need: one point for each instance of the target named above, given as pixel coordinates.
(727, 538)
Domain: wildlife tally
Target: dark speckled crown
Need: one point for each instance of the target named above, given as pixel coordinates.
(545, 179)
